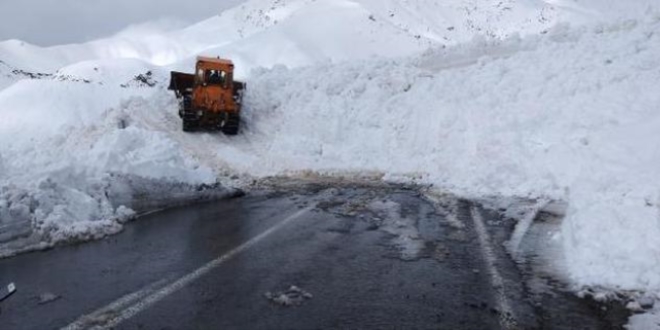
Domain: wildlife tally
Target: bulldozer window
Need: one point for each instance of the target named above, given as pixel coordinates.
(215, 77)
(228, 80)
(200, 77)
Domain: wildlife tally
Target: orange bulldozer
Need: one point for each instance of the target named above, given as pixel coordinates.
(209, 99)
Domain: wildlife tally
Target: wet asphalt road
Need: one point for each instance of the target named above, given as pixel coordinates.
(362, 258)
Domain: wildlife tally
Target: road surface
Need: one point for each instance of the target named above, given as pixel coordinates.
(351, 257)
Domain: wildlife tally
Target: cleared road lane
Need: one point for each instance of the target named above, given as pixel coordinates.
(351, 257)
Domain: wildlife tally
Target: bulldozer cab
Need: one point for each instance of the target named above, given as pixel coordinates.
(213, 87)
(214, 72)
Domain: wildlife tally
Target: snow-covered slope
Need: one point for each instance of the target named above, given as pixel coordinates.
(261, 33)
(508, 103)
(299, 32)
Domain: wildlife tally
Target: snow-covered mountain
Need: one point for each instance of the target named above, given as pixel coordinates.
(299, 32)
(263, 33)
(527, 98)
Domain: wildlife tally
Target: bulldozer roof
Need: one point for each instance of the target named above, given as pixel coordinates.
(215, 60)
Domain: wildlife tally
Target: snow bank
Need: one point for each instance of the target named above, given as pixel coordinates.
(566, 116)
(76, 162)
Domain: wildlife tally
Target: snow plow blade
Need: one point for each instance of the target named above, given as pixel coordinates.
(181, 83)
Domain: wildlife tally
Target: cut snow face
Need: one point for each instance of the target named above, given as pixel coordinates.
(565, 116)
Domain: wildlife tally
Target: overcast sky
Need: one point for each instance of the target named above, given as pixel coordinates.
(53, 22)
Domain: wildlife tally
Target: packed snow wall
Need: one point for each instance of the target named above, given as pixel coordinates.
(569, 115)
